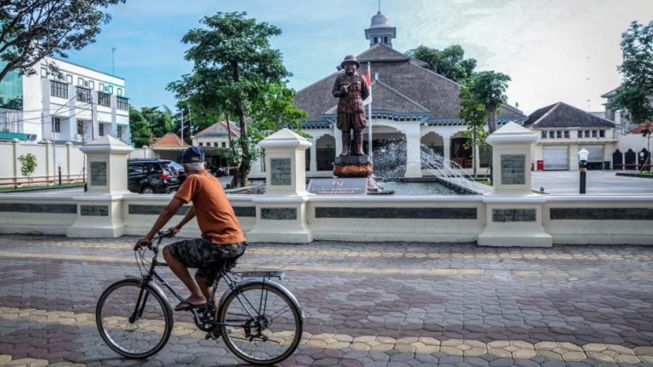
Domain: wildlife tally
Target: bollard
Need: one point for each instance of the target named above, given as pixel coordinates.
(59, 175)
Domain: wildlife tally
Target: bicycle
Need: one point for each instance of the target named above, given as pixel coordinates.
(135, 318)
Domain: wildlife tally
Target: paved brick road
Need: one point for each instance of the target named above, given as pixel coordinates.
(365, 304)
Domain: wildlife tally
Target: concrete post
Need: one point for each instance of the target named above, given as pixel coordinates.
(100, 208)
(281, 211)
(513, 212)
(446, 147)
(14, 144)
(48, 144)
(413, 151)
(69, 146)
(313, 153)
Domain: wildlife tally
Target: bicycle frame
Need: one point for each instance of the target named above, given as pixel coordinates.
(200, 321)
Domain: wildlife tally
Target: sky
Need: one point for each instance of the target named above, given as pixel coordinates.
(554, 50)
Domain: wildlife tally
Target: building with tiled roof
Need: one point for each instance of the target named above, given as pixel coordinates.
(409, 102)
(564, 130)
(169, 146)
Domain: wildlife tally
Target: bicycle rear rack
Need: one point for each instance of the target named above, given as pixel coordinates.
(260, 274)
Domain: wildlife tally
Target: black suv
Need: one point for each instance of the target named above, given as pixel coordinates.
(149, 176)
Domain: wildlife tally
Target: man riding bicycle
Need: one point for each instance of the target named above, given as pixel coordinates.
(222, 239)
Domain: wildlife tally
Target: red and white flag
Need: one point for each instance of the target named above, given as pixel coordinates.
(368, 79)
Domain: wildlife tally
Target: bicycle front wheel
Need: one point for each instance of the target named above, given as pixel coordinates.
(261, 323)
(134, 323)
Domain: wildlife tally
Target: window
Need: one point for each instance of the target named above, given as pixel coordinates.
(551, 134)
(101, 87)
(602, 133)
(104, 99)
(543, 134)
(587, 133)
(120, 91)
(101, 128)
(56, 124)
(69, 79)
(58, 89)
(135, 169)
(91, 84)
(224, 144)
(594, 133)
(215, 144)
(80, 127)
(123, 103)
(111, 89)
(83, 94)
(558, 134)
(385, 39)
(44, 72)
(201, 144)
(80, 82)
(566, 134)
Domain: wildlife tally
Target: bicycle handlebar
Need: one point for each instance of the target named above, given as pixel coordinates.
(154, 244)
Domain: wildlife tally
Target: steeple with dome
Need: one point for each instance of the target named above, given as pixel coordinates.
(380, 31)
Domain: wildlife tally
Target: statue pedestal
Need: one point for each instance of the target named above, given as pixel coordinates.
(352, 166)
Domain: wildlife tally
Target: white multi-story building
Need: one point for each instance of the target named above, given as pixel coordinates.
(78, 104)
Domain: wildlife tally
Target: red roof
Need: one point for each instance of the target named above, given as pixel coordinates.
(642, 127)
(169, 141)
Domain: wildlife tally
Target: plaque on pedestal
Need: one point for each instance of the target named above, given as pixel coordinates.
(338, 186)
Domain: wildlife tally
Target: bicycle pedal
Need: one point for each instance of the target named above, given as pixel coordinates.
(214, 334)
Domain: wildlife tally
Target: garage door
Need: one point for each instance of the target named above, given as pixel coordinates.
(596, 152)
(556, 158)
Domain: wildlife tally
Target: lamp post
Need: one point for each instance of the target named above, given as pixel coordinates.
(583, 154)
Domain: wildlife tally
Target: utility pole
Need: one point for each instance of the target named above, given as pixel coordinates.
(182, 126)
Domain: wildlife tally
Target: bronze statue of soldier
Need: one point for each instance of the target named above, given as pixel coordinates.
(351, 89)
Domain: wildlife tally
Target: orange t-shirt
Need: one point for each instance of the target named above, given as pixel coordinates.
(215, 216)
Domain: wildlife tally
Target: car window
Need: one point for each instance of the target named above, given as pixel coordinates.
(176, 166)
(153, 167)
(134, 169)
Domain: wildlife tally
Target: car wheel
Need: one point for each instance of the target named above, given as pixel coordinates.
(147, 190)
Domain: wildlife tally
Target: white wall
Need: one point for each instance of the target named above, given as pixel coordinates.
(69, 157)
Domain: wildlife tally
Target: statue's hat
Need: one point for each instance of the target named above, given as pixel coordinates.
(350, 59)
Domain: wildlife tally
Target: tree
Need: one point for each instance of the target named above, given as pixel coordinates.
(233, 67)
(33, 29)
(449, 62)
(635, 95)
(473, 113)
(27, 165)
(489, 89)
(139, 127)
(275, 110)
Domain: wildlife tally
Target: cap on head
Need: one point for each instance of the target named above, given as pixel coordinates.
(192, 155)
(350, 59)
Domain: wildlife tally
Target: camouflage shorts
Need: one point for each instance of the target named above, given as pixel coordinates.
(208, 258)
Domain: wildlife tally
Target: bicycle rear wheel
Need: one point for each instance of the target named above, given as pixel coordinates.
(134, 327)
(262, 324)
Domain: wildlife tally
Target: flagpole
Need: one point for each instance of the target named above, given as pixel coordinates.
(369, 114)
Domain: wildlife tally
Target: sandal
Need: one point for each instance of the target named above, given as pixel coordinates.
(187, 305)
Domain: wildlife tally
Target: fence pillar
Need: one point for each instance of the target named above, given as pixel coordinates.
(48, 145)
(281, 212)
(69, 145)
(14, 143)
(99, 211)
(513, 211)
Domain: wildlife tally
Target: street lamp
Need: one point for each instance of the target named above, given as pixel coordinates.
(583, 154)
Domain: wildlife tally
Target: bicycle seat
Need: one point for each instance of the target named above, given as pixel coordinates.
(227, 264)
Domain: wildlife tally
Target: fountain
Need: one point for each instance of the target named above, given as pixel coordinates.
(390, 166)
